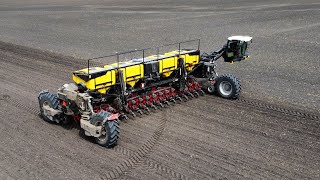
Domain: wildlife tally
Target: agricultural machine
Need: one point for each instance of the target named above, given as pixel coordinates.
(100, 96)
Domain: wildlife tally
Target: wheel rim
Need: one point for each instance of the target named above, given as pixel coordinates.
(210, 89)
(103, 136)
(225, 88)
(46, 112)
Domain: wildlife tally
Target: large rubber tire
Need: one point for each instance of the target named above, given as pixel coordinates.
(111, 130)
(228, 86)
(51, 100)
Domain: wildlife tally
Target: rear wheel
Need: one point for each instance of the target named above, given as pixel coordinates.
(109, 132)
(48, 100)
(228, 86)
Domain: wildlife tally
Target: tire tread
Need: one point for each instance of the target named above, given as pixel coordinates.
(235, 82)
(112, 128)
(52, 99)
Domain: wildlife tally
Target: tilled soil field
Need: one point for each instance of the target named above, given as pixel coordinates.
(204, 138)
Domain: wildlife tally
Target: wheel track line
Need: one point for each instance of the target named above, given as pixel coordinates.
(278, 115)
(59, 164)
(46, 56)
(293, 131)
(251, 164)
(304, 131)
(38, 54)
(135, 158)
(66, 60)
(205, 172)
(138, 158)
(251, 144)
(309, 133)
(25, 62)
(265, 106)
(215, 170)
(152, 164)
(280, 109)
(254, 104)
(170, 172)
(246, 161)
(270, 136)
(250, 103)
(34, 111)
(167, 146)
(123, 151)
(8, 99)
(135, 161)
(27, 53)
(156, 166)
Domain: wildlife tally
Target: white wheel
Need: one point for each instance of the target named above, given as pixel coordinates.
(228, 86)
(46, 112)
(48, 101)
(225, 88)
(109, 132)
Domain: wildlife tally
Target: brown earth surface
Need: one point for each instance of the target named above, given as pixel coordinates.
(204, 138)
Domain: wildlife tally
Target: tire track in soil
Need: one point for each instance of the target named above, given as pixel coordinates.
(47, 56)
(136, 159)
(8, 99)
(312, 119)
(27, 54)
(72, 62)
(140, 157)
(117, 172)
(309, 121)
(265, 106)
(216, 158)
(236, 127)
(69, 159)
(294, 113)
(151, 164)
(270, 111)
(155, 166)
(42, 55)
(239, 158)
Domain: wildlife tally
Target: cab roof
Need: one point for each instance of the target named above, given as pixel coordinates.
(240, 38)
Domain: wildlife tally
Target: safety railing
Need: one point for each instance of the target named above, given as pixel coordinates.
(143, 52)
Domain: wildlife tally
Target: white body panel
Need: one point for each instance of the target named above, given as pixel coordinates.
(240, 38)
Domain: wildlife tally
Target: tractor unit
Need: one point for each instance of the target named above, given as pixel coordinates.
(100, 96)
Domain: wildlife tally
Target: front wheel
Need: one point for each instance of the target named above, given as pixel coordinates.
(228, 86)
(48, 101)
(110, 130)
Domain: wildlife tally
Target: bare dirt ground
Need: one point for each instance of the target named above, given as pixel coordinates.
(272, 132)
(244, 139)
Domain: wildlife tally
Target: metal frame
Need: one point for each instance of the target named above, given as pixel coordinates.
(143, 52)
(117, 55)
